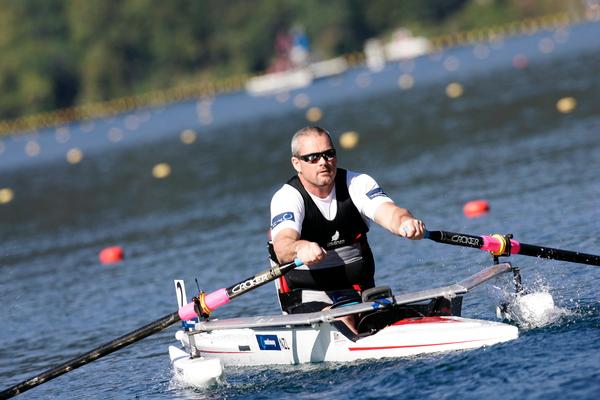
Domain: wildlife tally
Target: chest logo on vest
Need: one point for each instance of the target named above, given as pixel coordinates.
(335, 240)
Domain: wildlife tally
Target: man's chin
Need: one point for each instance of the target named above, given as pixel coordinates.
(325, 180)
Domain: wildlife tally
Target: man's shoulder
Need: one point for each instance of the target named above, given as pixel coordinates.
(286, 191)
(358, 178)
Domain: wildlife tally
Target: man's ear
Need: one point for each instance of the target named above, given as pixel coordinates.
(296, 164)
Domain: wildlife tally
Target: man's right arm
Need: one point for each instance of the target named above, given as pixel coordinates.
(288, 247)
(287, 214)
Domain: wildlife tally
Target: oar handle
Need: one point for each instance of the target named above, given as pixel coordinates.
(207, 303)
(502, 246)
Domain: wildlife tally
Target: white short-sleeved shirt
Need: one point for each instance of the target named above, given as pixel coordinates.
(287, 205)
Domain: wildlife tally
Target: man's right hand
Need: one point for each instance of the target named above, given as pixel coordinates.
(310, 253)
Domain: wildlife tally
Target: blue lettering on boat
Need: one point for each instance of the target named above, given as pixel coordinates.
(268, 342)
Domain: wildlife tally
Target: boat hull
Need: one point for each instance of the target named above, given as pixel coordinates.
(326, 341)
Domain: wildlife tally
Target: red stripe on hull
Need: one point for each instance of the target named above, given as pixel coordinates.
(425, 320)
(415, 345)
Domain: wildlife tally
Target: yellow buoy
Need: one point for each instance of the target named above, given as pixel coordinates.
(282, 97)
(314, 114)
(132, 122)
(32, 148)
(349, 140)
(62, 135)
(454, 90)
(566, 105)
(451, 63)
(301, 100)
(161, 170)
(546, 45)
(115, 135)
(74, 155)
(188, 136)
(406, 81)
(6, 195)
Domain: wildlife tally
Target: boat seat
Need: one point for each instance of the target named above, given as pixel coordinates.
(379, 319)
(377, 292)
(372, 322)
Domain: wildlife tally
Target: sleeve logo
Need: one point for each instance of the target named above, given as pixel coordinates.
(286, 216)
(375, 193)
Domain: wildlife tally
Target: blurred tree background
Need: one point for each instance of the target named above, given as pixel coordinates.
(62, 53)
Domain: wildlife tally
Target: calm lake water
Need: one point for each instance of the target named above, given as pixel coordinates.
(503, 140)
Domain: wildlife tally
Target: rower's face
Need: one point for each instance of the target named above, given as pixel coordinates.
(321, 173)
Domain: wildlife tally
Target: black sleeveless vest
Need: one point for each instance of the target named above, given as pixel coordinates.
(347, 228)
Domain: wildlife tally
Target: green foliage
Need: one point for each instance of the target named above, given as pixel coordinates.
(60, 53)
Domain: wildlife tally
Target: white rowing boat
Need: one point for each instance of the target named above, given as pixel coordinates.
(391, 326)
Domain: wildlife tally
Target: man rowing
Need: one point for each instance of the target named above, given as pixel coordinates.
(321, 216)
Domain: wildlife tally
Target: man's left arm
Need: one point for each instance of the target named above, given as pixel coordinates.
(399, 221)
(375, 204)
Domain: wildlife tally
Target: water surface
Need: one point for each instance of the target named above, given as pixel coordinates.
(503, 141)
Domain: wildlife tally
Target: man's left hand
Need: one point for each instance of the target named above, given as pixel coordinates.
(412, 228)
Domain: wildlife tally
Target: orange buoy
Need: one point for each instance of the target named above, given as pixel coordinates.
(520, 61)
(476, 208)
(110, 255)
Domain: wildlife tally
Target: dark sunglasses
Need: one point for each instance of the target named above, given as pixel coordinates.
(313, 158)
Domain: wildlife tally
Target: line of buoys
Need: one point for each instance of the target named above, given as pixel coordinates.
(301, 100)
(29, 123)
(111, 255)
(476, 208)
(406, 81)
(188, 136)
(520, 61)
(74, 155)
(161, 170)
(349, 140)
(566, 105)
(6, 195)
(454, 90)
(314, 114)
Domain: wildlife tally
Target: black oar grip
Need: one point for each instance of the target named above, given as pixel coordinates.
(454, 238)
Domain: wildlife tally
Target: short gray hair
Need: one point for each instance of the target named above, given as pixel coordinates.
(307, 131)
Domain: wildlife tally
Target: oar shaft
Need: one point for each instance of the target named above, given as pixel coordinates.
(495, 245)
(92, 355)
(260, 279)
(558, 254)
(212, 301)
